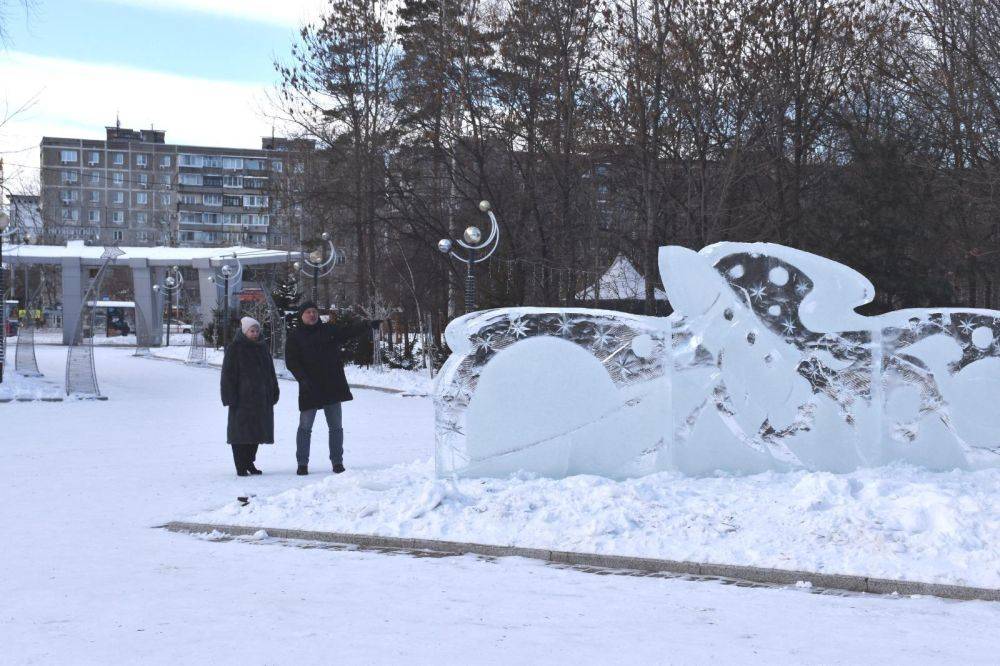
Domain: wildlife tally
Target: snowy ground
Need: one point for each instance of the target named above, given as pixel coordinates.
(896, 522)
(86, 580)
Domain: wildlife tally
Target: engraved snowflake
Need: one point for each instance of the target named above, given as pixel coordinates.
(564, 327)
(602, 337)
(788, 326)
(801, 288)
(757, 292)
(484, 343)
(626, 366)
(967, 326)
(518, 329)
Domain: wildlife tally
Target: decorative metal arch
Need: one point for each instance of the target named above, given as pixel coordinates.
(25, 361)
(81, 375)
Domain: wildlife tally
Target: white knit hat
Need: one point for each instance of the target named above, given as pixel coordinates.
(247, 323)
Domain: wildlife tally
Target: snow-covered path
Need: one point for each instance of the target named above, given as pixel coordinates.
(83, 578)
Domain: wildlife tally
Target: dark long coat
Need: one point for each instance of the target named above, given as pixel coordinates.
(313, 355)
(250, 390)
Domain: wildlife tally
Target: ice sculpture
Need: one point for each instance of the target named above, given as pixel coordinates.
(764, 365)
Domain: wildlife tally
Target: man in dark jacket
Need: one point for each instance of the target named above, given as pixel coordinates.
(313, 356)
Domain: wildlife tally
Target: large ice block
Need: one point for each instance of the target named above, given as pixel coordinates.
(764, 365)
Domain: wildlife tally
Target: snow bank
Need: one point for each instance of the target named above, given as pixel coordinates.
(18, 387)
(893, 522)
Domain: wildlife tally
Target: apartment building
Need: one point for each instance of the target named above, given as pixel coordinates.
(133, 188)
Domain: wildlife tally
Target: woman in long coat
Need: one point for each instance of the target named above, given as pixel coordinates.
(250, 390)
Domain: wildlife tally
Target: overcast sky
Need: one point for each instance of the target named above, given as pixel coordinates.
(199, 69)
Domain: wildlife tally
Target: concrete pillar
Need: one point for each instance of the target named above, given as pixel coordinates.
(73, 286)
(146, 301)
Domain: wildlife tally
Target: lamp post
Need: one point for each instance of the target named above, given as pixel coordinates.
(318, 263)
(479, 250)
(172, 284)
(227, 272)
(4, 233)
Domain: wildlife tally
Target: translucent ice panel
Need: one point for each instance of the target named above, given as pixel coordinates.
(763, 365)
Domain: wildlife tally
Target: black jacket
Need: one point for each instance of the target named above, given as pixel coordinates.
(313, 355)
(250, 390)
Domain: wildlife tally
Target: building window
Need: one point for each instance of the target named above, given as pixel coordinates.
(254, 201)
(165, 199)
(95, 177)
(209, 218)
(252, 164)
(118, 198)
(141, 198)
(187, 235)
(190, 179)
(232, 181)
(118, 216)
(71, 214)
(70, 177)
(232, 162)
(212, 199)
(190, 218)
(213, 162)
(231, 218)
(95, 196)
(95, 158)
(256, 220)
(69, 196)
(94, 216)
(141, 159)
(299, 167)
(230, 200)
(140, 218)
(252, 182)
(117, 235)
(164, 179)
(68, 156)
(189, 198)
(277, 165)
(142, 236)
(118, 178)
(144, 179)
(188, 160)
(165, 161)
(118, 158)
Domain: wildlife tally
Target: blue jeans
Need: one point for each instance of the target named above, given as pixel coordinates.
(304, 434)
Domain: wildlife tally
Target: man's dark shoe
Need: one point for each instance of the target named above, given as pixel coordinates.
(302, 470)
(253, 469)
(338, 468)
(242, 472)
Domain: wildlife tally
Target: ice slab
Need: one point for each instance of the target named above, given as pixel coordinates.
(764, 365)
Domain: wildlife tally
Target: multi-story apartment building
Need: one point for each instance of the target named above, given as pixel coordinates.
(133, 188)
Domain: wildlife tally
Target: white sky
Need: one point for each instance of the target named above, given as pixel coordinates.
(76, 99)
(280, 12)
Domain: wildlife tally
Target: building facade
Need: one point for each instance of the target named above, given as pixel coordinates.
(133, 188)
(26, 214)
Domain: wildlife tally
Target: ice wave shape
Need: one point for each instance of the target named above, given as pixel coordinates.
(764, 365)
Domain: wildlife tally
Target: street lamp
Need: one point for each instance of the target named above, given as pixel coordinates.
(318, 263)
(227, 272)
(4, 233)
(479, 250)
(172, 284)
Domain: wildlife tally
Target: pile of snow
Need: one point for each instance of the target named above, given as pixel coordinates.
(892, 522)
(18, 387)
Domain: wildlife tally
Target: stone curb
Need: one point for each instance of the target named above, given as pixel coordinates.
(750, 574)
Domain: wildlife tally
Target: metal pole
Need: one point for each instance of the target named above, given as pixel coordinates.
(170, 313)
(315, 283)
(470, 283)
(225, 311)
